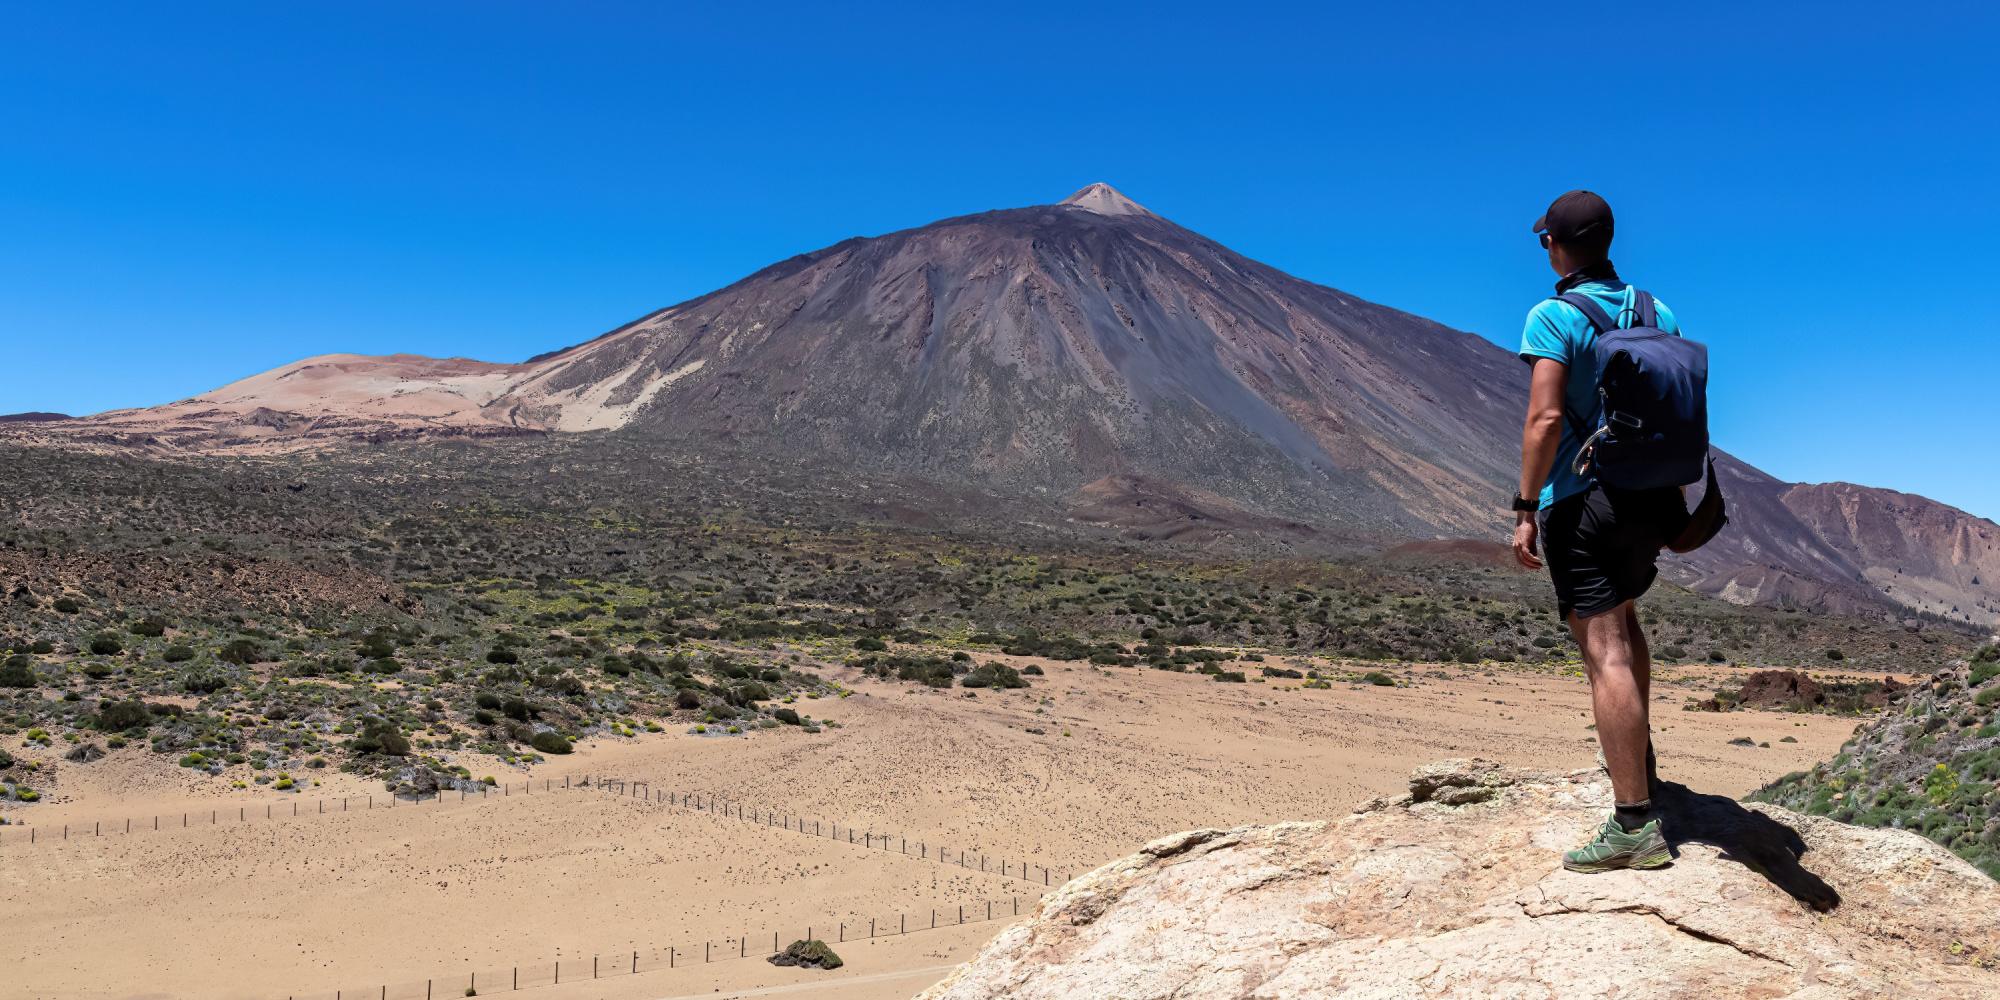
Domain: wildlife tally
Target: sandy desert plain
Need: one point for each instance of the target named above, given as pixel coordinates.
(1082, 768)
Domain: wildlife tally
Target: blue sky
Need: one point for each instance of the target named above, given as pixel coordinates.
(192, 193)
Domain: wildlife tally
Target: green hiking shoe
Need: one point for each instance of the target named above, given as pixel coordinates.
(1614, 849)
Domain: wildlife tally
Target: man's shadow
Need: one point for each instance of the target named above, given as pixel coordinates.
(1749, 838)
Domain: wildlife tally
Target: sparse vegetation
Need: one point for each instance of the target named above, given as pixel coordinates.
(396, 617)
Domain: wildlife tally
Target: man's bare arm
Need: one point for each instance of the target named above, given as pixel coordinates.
(1541, 435)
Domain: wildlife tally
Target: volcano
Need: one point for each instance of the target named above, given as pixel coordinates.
(1096, 353)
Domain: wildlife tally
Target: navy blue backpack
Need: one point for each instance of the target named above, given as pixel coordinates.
(1654, 389)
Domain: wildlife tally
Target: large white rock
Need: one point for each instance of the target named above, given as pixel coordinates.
(1418, 898)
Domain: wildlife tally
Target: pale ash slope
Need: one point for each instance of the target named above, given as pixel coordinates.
(1455, 891)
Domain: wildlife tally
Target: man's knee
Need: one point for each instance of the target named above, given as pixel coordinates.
(1607, 639)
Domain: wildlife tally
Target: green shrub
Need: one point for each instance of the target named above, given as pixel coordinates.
(1835, 655)
(18, 672)
(786, 716)
(118, 716)
(501, 654)
(1379, 679)
(200, 681)
(178, 654)
(995, 675)
(241, 652)
(1230, 676)
(870, 644)
(380, 736)
(551, 742)
(150, 628)
(67, 605)
(813, 954)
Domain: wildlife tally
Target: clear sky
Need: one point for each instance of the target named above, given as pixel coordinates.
(190, 193)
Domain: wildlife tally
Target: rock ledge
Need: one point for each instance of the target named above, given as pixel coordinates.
(1456, 890)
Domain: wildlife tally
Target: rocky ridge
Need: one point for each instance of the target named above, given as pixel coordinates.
(1455, 890)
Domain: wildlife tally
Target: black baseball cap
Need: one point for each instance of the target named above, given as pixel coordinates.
(1578, 219)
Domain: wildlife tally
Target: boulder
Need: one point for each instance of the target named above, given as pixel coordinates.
(84, 753)
(1418, 897)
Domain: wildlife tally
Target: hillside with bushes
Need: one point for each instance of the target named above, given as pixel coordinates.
(1930, 764)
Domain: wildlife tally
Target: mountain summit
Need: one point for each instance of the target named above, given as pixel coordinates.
(1098, 354)
(1104, 199)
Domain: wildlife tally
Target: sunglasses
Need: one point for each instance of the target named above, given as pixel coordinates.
(1546, 240)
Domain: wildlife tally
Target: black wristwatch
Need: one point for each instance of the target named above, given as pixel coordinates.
(1522, 506)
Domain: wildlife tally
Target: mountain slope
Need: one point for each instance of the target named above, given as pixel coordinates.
(1052, 347)
(1093, 352)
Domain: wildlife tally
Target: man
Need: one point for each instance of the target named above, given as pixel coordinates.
(1600, 544)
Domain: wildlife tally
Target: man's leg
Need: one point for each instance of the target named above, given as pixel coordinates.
(1642, 671)
(1615, 656)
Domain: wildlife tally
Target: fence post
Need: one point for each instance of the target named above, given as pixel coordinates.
(593, 966)
(635, 963)
(670, 958)
(558, 973)
(902, 923)
(933, 919)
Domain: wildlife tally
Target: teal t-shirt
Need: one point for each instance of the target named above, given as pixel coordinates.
(1559, 331)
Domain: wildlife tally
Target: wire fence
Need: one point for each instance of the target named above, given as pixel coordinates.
(489, 980)
(497, 979)
(485, 981)
(298, 807)
(893, 843)
(702, 802)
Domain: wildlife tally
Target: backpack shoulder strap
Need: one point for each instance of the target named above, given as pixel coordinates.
(1590, 310)
(1642, 303)
(1604, 324)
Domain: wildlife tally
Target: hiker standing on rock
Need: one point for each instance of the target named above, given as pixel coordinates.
(1617, 425)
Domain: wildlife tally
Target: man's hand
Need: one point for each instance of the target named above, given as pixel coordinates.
(1525, 532)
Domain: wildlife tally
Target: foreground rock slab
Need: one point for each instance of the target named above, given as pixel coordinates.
(1456, 890)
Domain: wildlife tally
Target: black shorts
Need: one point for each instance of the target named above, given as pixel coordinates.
(1601, 544)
